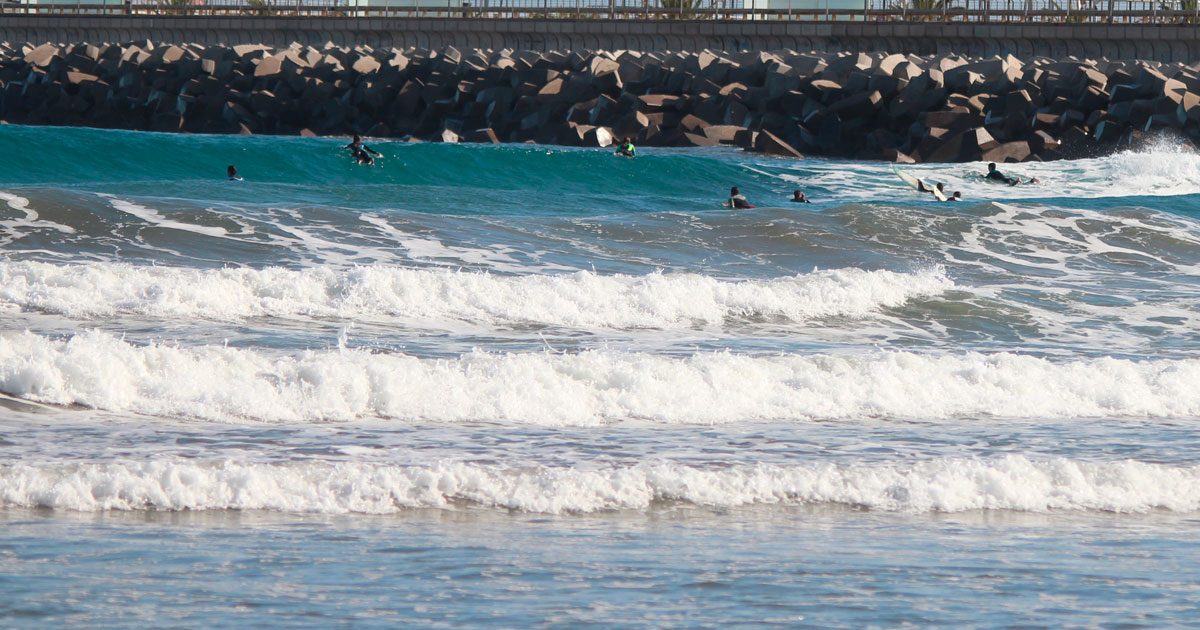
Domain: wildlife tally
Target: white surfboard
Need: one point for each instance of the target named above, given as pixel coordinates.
(916, 183)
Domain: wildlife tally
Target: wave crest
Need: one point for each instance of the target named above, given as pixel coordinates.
(943, 485)
(225, 384)
(582, 299)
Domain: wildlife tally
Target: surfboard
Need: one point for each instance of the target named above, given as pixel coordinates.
(916, 183)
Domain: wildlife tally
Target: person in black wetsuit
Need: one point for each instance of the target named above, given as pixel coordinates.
(798, 197)
(231, 172)
(737, 199)
(1001, 177)
(361, 152)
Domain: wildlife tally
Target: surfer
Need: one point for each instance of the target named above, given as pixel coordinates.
(231, 172)
(1001, 177)
(798, 197)
(942, 196)
(626, 148)
(361, 152)
(737, 199)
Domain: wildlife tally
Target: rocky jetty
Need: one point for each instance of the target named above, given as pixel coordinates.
(894, 107)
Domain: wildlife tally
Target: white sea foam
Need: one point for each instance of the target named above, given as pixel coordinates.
(942, 485)
(234, 385)
(1165, 168)
(581, 299)
(153, 217)
(31, 218)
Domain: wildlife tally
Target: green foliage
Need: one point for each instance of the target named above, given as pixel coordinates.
(680, 5)
(921, 5)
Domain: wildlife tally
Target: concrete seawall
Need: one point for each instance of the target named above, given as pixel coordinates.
(1151, 42)
(899, 108)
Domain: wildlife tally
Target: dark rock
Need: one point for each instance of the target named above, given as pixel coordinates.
(770, 144)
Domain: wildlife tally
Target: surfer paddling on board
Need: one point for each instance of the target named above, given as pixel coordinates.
(1001, 177)
(361, 152)
(737, 200)
(231, 173)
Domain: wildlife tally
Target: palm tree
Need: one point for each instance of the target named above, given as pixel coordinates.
(680, 5)
(922, 6)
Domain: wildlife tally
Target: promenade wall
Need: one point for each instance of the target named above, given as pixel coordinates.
(1150, 42)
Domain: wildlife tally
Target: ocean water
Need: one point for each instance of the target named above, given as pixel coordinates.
(528, 386)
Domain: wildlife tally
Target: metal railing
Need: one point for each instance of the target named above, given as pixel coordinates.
(971, 11)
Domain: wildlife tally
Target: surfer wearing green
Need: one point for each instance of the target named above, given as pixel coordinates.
(625, 149)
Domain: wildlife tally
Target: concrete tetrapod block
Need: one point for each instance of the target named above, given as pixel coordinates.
(1008, 152)
(43, 55)
(948, 150)
(269, 66)
(697, 140)
(770, 144)
(723, 134)
(366, 64)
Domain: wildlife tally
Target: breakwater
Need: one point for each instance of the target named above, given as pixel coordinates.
(939, 108)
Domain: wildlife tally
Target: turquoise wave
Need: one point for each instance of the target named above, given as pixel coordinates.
(414, 176)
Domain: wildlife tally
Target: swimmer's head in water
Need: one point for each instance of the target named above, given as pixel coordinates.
(231, 171)
(991, 166)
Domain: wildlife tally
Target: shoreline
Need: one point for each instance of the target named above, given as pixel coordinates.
(877, 106)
